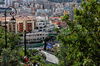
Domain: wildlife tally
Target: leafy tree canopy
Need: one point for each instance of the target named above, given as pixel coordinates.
(80, 42)
(12, 39)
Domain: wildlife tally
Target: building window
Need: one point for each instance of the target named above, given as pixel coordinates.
(13, 25)
(21, 28)
(41, 27)
(13, 28)
(39, 23)
(21, 25)
(36, 28)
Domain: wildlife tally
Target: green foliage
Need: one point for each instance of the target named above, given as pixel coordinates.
(56, 29)
(2, 37)
(38, 58)
(11, 57)
(21, 53)
(80, 42)
(73, 5)
(41, 54)
(12, 39)
(33, 51)
(5, 52)
(49, 64)
(28, 53)
(65, 18)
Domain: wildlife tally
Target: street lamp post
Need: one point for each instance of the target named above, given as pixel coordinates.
(45, 41)
(44, 44)
(25, 42)
(12, 13)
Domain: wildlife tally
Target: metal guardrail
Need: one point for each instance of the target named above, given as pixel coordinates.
(32, 45)
(52, 34)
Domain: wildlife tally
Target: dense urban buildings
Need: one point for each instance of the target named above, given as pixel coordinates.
(37, 16)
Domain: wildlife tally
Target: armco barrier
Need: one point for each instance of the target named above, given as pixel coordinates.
(34, 45)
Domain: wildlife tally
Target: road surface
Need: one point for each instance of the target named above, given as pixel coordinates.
(51, 58)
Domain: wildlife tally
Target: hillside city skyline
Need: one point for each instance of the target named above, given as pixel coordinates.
(38, 18)
(49, 32)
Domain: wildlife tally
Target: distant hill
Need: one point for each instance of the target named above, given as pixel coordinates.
(60, 1)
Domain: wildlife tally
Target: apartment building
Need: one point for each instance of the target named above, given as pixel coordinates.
(41, 12)
(35, 37)
(16, 4)
(24, 23)
(8, 2)
(55, 20)
(70, 11)
(59, 10)
(43, 25)
(11, 27)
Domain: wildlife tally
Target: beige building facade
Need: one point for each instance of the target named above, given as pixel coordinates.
(22, 23)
